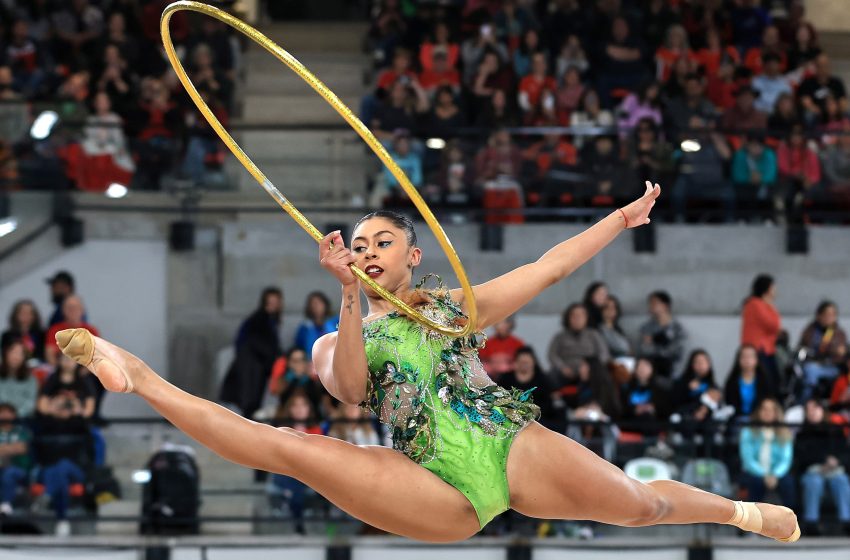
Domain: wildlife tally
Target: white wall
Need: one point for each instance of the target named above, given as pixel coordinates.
(124, 286)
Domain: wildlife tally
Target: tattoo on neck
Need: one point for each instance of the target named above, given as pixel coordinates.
(350, 303)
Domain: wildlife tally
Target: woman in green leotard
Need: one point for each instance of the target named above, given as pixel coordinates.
(465, 449)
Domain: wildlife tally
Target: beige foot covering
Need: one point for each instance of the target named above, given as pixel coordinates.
(77, 344)
(748, 517)
(105, 361)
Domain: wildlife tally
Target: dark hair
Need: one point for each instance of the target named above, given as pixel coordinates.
(9, 407)
(761, 284)
(662, 296)
(735, 372)
(594, 313)
(400, 221)
(530, 351)
(321, 295)
(824, 305)
(689, 372)
(36, 322)
(565, 317)
(644, 89)
(23, 372)
(269, 291)
(619, 309)
(444, 89)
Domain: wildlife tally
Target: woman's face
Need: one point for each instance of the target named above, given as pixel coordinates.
(701, 365)
(609, 310)
(803, 35)
(381, 251)
(578, 318)
(298, 363)
(299, 409)
(814, 413)
(600, 295)
(14, 356)
(829, 316)
(318, 309)
(25, 315)
(572, 77)
(499, 100)
(524, 366)
(531, 40)
(748, 360)
(767, 412)
(538, 64)
(591, 102)
(102, 104)
(643, 371)
(445, 98)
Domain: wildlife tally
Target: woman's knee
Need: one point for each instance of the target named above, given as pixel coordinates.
(649, 507)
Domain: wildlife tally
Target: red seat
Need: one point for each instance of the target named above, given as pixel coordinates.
(602, 200)
(566, 199)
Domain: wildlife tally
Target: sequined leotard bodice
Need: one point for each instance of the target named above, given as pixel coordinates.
(444, 412)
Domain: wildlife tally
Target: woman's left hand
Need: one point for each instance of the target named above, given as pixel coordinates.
(637, 212)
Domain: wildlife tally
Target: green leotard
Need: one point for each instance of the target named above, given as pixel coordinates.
(445, 413)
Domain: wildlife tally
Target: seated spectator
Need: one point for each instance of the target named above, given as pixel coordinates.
(814, 91)
(77, 30)
(354, 425)
(820, 453)
(445, 118)
(293, 373)
(571, 55)
(675, 87)
(825, 346)
(512, 22)
(621, 60)
(646, 104)
(645, 401)
(609, 327)
(601, 163)
(836, 168)
(767, 452)
(675, 46)
(749, 19)
(747, 384)
(61, 286)
(497, 356)
(409, 161)
(386, 31)
(474, 51)
(770, 84)
(128, 44)
(589, 117)
(65, 406)
(203, 145)
(441, 76)
(536, 84)
(26, 59)
(648, 154)
(402, 67)
(552, 152)
(117, 80)
(839, 399)
(440, 42)
(575, 344)
(498, 112)
(156, 122)
(701, 170)
(527, 375)
(569, 95)
(799, 172)
(594, 300)
(25, 327)
(658, 16)
(754, 173)
(499, 156)
(784, 116)
(771, 46)
(723, 86)
(296, 413)
(319, 320)
(714, 55)
(74, 313)
(524, 54)
(455, 179)
(206, 75)
(804, 50)
(743, 116)
(407, 101)
(662, 337)
(681, 110)
(697, 378)
(14, 456)
(18, 387)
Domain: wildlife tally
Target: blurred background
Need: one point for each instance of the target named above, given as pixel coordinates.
(521, 122)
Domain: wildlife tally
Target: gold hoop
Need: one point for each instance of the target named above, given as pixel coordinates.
(354, 122)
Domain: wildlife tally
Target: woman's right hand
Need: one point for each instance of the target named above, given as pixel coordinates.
(335, 259)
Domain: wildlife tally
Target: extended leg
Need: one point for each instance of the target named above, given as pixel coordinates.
(377, 485)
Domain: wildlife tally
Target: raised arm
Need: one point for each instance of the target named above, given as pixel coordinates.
(340, 357)
(508, 293)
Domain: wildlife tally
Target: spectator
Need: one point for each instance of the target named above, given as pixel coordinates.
(701, 169)
(206, 75)
(675, 46)
(570, 56)
(836, 167)
(767, 451)
(203, 144)
(293, 373)
(156, 122)
(784, 117)
(799, 171)
(17, 385)
(609, 327)
(319, 320)
(500, 156)
(512, 22)
(804, 49)
(527, 375)
(595, 298)
(675, 87)
(402, 67)
(497, 356)
(603, 167)
(74, 314)
(621, 61)
(445, 118)
(576, 343)
(474, 51)
(77, 29)
(749, 20)
(771, 46)
(747, 384)
(714, 55)
(657, 18)
(820, 453)
(257, 348)
(770, 84)
(645, 401)
(387, 29)
(662, 337)
(814, 91)
(754, 173)
(25, 327)
(296, 413)
(569, 94)
(440, 43)
(697, 378)
(498, 112)
(680, 111)
(407, 101)
(26, 60)
(761, 324)
(116, 79)
(646, 104)
(117, 35)
(825, 345)
(456, 177)
(440, 77)
(523, 55)
(14, 456)
(65, 406)
(354, 425)
(61, 286)
(648, 154)
(590, 117)
(839, 399)
(410, 163)
(743, 116)
(723, 85)
(833, 120)
(536, 84)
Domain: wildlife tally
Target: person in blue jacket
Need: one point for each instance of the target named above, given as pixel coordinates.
(319, 320)
(767, 452)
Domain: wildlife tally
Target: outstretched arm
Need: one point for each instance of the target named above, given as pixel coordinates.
(503, 296)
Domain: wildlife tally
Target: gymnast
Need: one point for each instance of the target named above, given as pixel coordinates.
(464, 449)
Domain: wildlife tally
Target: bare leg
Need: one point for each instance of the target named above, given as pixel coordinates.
(377, 485)
(553, 477)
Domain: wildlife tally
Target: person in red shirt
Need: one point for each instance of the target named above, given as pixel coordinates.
(761, 323)
(532, 86)
(441, 42)
(497, 356)
(770, 45)
(675, 47)
(73, 311)
(839, 400)
(401, 67)
(440, 74)
(711, 57)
